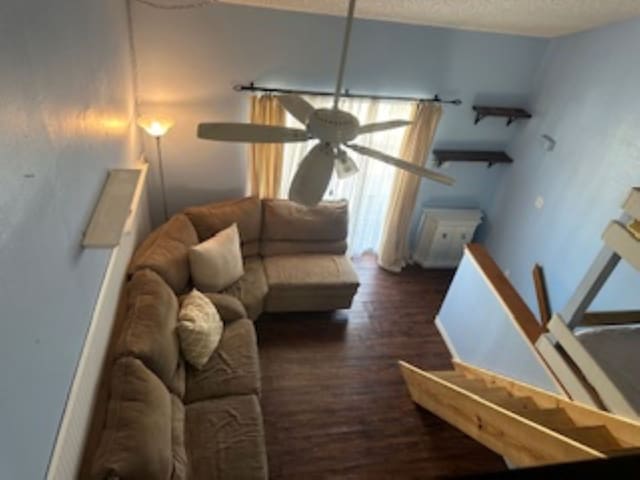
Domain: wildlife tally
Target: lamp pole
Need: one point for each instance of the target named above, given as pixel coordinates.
(162, 187)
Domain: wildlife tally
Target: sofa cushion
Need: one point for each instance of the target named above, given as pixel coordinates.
(136, 439)
(251, 288)
(179, 381)
(216, 263)
(233, 369)
(178, 449)
(288, 247)
(229, 307)
(225, 439)
(166, 252)
(309, 282)
(199, 328)
(286, 220)
(149, 333)
(246, 212)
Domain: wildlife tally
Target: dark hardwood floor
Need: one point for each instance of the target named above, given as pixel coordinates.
(333, 399)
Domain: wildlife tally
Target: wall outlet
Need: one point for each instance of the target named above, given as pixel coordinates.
(539, 203)
(507, 273)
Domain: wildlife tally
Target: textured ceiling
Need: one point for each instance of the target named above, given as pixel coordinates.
(544, 18)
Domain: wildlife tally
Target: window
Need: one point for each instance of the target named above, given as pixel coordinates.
(368, 191)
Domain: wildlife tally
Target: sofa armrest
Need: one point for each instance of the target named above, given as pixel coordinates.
(229, 308)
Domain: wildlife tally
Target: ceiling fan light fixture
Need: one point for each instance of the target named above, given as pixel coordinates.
(345, 166)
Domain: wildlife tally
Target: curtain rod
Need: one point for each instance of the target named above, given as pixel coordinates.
(346, 94)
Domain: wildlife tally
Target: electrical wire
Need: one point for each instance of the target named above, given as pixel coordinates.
(181, 6)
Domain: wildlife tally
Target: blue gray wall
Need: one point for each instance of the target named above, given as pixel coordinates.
(188, 61)
(586, 97)
(66, 118)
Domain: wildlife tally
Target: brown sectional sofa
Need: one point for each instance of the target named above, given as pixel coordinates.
(163, 418)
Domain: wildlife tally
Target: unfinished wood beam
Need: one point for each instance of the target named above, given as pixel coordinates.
(621, 317)
(518, 310)
(522, 441)
(625, 429)
(622, 241)
(541, 294)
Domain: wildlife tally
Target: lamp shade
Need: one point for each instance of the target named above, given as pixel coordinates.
(156, 126)
(345, 166)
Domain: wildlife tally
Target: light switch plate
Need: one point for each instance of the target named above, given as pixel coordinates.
(539, 203)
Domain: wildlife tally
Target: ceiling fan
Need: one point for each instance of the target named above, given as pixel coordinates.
(332, 127)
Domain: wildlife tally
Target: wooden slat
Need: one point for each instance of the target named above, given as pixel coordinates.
(513, 386)
(494, 394)
(521, 441)
(623, 242)
(597, 437)
(632, 203)
(623, 451)
(628, 431)
(541, 294)
(509, 297)
(621, 317)
(552, 418)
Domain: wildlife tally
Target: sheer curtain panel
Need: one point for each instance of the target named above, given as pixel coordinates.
(394, 247)
(369, 190)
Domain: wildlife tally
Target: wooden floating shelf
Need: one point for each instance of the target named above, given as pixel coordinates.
(489, 157)
(511, 114)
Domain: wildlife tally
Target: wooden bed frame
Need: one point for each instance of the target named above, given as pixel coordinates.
(579, 372)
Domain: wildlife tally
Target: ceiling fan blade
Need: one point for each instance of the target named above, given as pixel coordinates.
(250, 132)
(296, 106)
(404, 165)
(344, 165)
(377, 127)
(313, 175)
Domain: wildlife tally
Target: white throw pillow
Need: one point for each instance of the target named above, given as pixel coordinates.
(199, 328)
(217, 263)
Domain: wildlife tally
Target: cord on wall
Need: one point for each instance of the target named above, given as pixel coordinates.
(176, 5)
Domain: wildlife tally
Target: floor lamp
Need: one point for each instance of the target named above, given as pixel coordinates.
(157, 127)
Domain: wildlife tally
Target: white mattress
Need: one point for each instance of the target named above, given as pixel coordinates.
(617, 349)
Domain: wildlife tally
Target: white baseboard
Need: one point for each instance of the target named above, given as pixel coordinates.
(447, 340)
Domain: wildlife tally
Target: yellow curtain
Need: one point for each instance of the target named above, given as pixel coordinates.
(265, 170)
(394, 246)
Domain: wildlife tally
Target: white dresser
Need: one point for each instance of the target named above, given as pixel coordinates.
(442, 234)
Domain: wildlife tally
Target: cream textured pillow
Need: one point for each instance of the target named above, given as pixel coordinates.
(217, 262)
(199, 328)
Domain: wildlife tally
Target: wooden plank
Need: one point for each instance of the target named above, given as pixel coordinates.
(619, 239)
(564, 368)
(541, 294)
(112, 210)
(511, 113)
(552, 418)
(612, 397)
(509, 297)
(632, 204)
(621, 317)
(597, 437)
(628, 431)
(490, 157)
(520, 440)
(589, 286)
